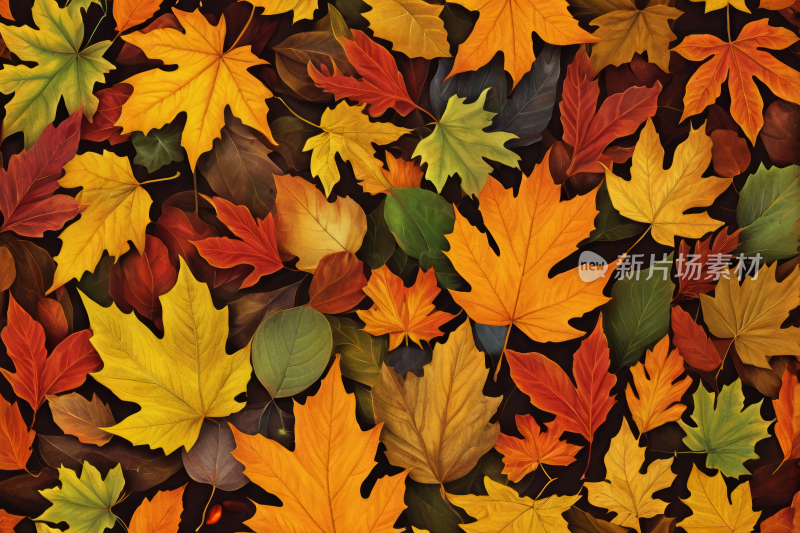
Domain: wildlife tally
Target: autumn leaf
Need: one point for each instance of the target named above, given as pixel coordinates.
(303, 9)
(781, 133)
(310, 227)
(787, 412)
(130, 13)
(118, 211)
(626, 491)
(752, 314)
(15, 439)
(628, 31)
(102, 127)
(8, 521)
(730, 153)
(713, 5)
(725, 430)
(711, 510)
(400, 174)
(348, 132)
(162, 514)
(695, 273)
(77, 416)
(8, 269)
(210, 460)
(579, 408)
(319, 483)
(206, 81)
(784, 521)
(533, 232)
(661, 197)
(62, 70)
(160, 147)
(506, 26)
(36, 374)
(659, 395)
(337, 284)
(5, 12)
(740, 61)
(26, 189)
(51, 316)
(689, 337)
(250, 310)
(414, 27)
(502, 509)
(458, 145)
(522, 456)
(174, 396)
(438, 424)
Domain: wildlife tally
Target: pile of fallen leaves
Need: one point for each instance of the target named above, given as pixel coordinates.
(400, 265)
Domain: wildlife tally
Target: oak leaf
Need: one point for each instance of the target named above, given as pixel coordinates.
(319, 484)
(206, 81)
(130, 13)
(77, 416)
(438, 425)
(310, 227)
(179, 380)
(695, 273)
(522, 456)
(414, 27)
(752, 314)
(661, 197)
(690, 338)
(506, 26)
(740, 61)
(626, 491)
(533, 232)
(162, 514)
(787, 412)
(337, 284)
(403, 312)
(711, 510)
(15, 440)
(659, 396)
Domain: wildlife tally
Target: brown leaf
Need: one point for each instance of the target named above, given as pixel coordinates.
(691, 340)
(51, 316)
(77, 416)
(338, 283)
(770, 487)
(694, 272)
(781, 133)
(103, 127)
(766, 380)
(247, 313)
(293, 55)
(719, 119)
(35, 269)
(582, 522)
(21, 493)
(133, 55)
(730, 153)
(210, 460)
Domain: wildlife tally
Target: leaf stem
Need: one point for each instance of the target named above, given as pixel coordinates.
(500, 362)
(105, 12)
(160, 179)
(722, 364)
(298, 116)
(203, 518)
(426, 112)
(639, 239)
(728, 15)
(121, 523)
(196, 194)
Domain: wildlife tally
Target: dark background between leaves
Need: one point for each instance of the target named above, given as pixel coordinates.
(694, 21)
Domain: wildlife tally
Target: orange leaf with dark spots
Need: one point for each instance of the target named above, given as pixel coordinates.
(338, 283)
(522, 456)
(690, 338)
(15, 441)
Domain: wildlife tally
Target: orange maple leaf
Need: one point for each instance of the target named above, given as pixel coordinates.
(743, 60)
(403, 311)
(319, 484)
(524, 455)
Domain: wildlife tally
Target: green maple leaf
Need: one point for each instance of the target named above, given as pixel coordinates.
(459, 145)
(63, 70)
(159, 147)
(85, 503)
(728, 434)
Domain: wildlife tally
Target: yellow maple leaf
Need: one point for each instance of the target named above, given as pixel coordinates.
(303, 9)
(506, 26)
(178, 381)
(438, 424)
(533, 231)
(711, 511)
(752, 314)
(310, 227)
(627, 31)
(502, 510)
(347, 131)
(713, 5)
(627, 492)
(118, 211)
(319, 484)
(403, 311)
(206, 81)
(522, 456)
(412, 26)
(658, 398)
(661, 197)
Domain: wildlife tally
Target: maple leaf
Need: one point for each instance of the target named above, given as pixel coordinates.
(63, 70)
(337, 284)
(403, 311)
(630, 31)
(506, 26)
(713, 5)
(522, 456)
(15, 440)
(659, 395)
(661, 197)
(348, 132)
(740, 60)
(590, 130)
(414, 27)
(38, 375)
(459, 145)
(162, 514)
(118, 211)
(711, 510)
(626, 491)
(399, 174)
(310, 227)
(258, 245)
(174, 396)
(79, 417)
(690, 338)
(84, 503)
(303, 9)
(533, 232)
(752, 314)
(206, 81)
(102, 127)
(727, 433)
(695, 275)
(438, 425)
(130, 13)
(580, 409)
(787, 412)
(26, 190)
(502, 509)
(319, 483)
